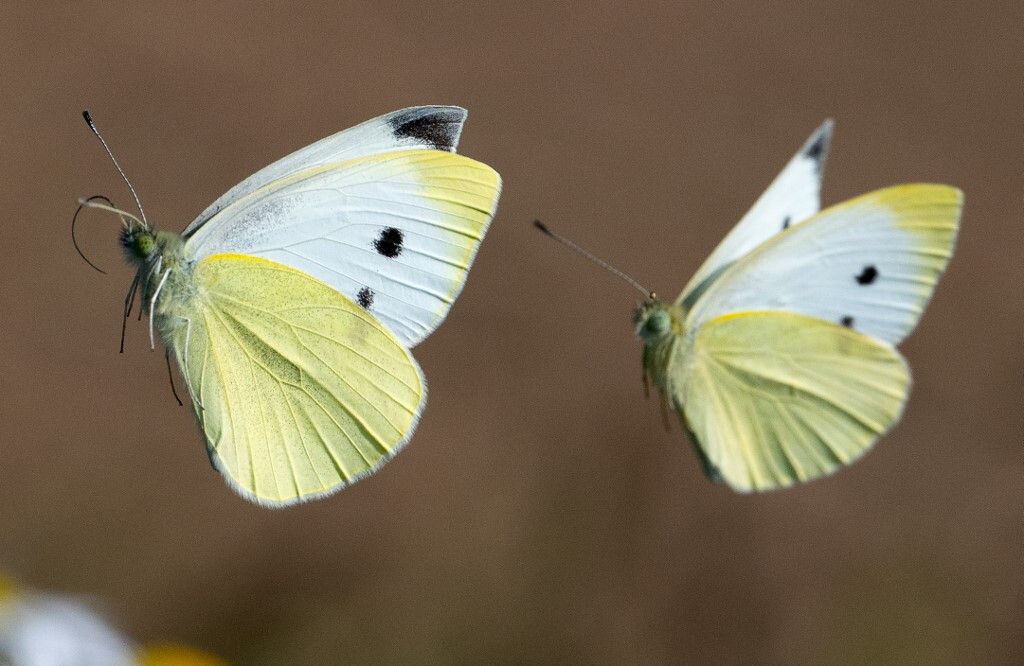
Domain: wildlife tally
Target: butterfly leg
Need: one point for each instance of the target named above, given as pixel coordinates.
(152, 307)
(170, 377)
(157, 265)
(188, 383)
(647, 385)
(184, 361)
(154, 270)
(664, 413)
(129, 302)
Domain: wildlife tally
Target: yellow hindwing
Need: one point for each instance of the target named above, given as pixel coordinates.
(298, 390)
(774, 398)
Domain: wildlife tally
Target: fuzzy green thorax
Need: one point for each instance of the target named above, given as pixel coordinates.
(162, 271)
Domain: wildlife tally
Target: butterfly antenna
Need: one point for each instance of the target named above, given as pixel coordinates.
(92, 126)
(591, 256)
(170, 376)
(74, 220)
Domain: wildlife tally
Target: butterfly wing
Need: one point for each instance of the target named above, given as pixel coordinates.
(793, 196)
(396, 232)
(870, 263)
(298, 391)
(418, 127)
(774, 398)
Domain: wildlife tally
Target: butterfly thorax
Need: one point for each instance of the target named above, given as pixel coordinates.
(660, 326)
(163, 271)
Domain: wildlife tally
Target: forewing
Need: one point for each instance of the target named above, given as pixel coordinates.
(870, 263)
(418, 127)
(299, 391)
(774, 398)
(395, 232)
(793, 196)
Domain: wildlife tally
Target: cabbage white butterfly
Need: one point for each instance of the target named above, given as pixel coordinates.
(291, 302)
(779, 354)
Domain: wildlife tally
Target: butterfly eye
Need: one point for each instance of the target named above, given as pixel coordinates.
(144, 245)
(659, 322)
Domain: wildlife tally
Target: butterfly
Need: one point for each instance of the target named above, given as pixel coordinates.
(291, 303)
(779, 354)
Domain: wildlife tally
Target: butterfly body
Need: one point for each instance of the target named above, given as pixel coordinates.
(661, 328)
(779, 355)
(162, 270)
(291, 303)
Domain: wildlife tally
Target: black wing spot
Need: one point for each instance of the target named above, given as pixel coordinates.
(389, 242)
(785, 222)
(816, 150)
(365, 297)
(847, 321)
(867, 276)
(440, 129)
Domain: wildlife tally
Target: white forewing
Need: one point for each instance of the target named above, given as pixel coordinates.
(793, 196)
(870, 263)
(433, 127)
(394, 232)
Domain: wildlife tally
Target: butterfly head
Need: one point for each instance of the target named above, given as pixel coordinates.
(138, 242)
(654, 320)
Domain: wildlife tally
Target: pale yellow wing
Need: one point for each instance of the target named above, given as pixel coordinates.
(774, 398)
(298, 390)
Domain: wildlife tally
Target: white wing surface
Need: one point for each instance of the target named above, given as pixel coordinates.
(793, 196)
(395, 232)
(418, 127)
(870, 263)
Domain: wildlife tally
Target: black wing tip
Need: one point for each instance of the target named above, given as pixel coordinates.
(817, 145)
(436, 126)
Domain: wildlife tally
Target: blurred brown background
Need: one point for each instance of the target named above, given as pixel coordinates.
(541, 513)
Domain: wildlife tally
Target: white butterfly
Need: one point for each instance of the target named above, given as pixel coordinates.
(291, 302)
(779, 354)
